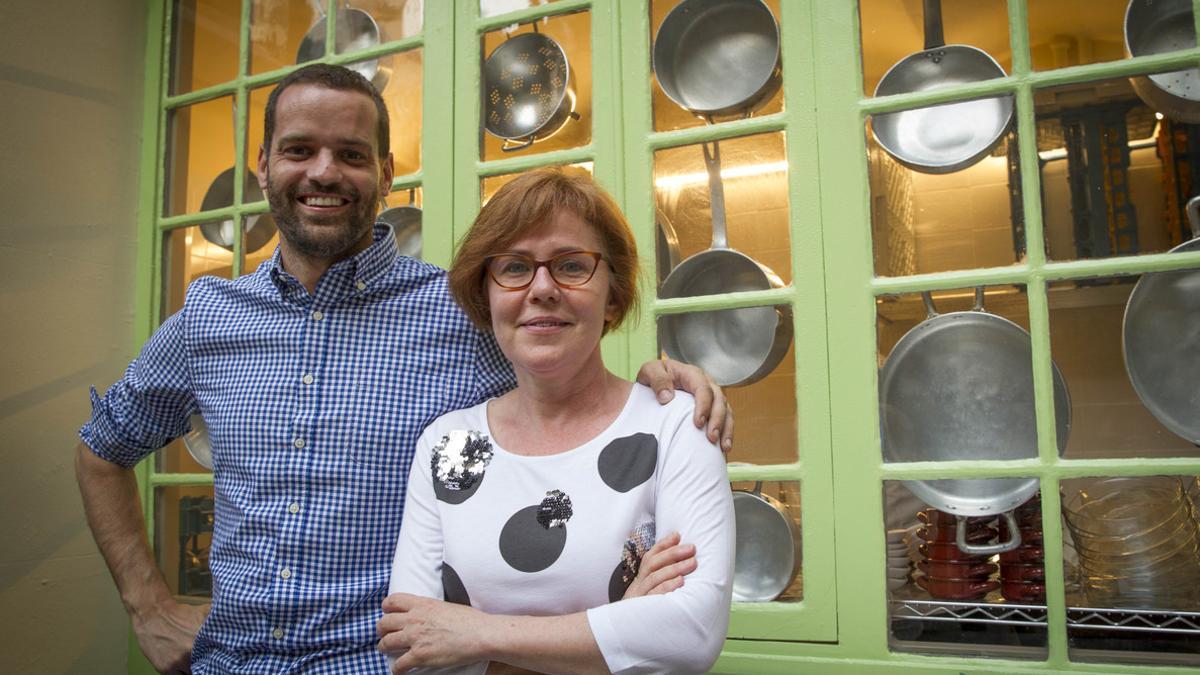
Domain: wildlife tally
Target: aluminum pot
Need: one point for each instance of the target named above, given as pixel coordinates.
(948, 137)
(734, 346)
(765, 561)
(259, 228)
(959, 386)
(1155, 27)
(198, 442)
(527, 91)
(1161, 340)
(354, 30)
(715, 57)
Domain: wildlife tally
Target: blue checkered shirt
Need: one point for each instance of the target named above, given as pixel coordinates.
(314, 403)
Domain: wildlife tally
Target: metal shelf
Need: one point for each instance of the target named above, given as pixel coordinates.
(1080, 618)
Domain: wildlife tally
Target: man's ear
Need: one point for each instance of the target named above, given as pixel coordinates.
(262, 168)
(385, 176)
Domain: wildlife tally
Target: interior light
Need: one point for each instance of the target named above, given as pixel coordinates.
(700, 178)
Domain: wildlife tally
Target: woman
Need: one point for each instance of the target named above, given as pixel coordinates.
(533, 511)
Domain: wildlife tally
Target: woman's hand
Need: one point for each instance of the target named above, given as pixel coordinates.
(663, 567)
(713, 413)
(427, 632)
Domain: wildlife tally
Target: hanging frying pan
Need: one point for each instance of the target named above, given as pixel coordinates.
(948, 137)
(355, 30)
(406, 224)
(734, 346)
(259, 228)
(1161, 341)
(714, 57)
(1155, 27)
(527, 91)
(959, 386)
(765, 561)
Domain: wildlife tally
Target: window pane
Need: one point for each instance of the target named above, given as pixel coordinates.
(184, 524)
(199, 151)
(768, 562)
(204, 43)
(277, 28)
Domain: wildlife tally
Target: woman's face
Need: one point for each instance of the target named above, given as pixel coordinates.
(546, 329)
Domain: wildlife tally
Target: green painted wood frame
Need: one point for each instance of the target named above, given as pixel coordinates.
(841, 626)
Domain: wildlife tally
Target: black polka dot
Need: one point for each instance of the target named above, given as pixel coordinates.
(628, 462)
(452, 586)
(528, 546)
(455, 496)
(619, 582)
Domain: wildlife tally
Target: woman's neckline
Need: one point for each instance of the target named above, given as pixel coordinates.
(608, 430)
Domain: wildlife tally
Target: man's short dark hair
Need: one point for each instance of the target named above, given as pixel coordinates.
(331, 77)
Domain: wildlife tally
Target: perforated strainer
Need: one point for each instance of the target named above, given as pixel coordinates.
(527, 92)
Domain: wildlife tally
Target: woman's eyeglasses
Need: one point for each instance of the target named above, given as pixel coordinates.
(514, 272)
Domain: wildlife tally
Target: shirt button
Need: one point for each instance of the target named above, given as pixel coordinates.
(277, 633)
(360, 285)
(299, 442)
(307, 379)
(285, 573)
(293, 508)
(317, 315)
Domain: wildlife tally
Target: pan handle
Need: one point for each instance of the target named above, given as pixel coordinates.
(505, 147)
(716, 190)
(930, 310)
(960, 537)
(933, 25)
(979, 299)
(1193, 215)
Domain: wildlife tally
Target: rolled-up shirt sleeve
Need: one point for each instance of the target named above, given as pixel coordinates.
(681, 631)
(150, 405)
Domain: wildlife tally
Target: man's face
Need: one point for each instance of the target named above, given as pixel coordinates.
(322, 174)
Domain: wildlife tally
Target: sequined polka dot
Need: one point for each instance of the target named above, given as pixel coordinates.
(628, 462)
(533, 538)
(458, 465)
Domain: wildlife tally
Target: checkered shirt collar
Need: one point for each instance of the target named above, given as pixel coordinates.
(367, 266)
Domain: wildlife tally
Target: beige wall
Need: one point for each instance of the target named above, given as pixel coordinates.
(70, 82)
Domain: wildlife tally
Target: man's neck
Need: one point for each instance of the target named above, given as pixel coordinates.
(308, 270)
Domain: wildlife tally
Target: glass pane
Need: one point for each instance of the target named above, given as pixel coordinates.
(395, 19)
(768, 563)
(189, 255)
(892, 31)
(199, 155)
(254, 135)
(753, 173)
(928, 220)
(766, 414)
(527, 104)
(958, 385)
(1072, 32)
(1133, 595)
(1098, 343)
(204, 44)
(489, 185)
(946, 600)
(721, 81)
(403, 94)
(183, 536)
(277, 28)
(495, 7)
(402, 209)
(1115, 176)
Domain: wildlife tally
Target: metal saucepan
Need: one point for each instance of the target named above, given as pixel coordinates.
(959, 386)
(259, 228)
(715, 57)
(1155, 27)
(948, 137)
(527, 91)
(1161, 341)
(667, 246)
(198, 442)
(354, 31)
(406, 224)
(734, 346)
(765, 560)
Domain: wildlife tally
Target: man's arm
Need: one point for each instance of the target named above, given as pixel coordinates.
(165, 629)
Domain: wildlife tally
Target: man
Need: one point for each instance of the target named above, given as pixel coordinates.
(315, 374)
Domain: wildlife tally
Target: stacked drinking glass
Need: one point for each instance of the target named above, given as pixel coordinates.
(1137, 541)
